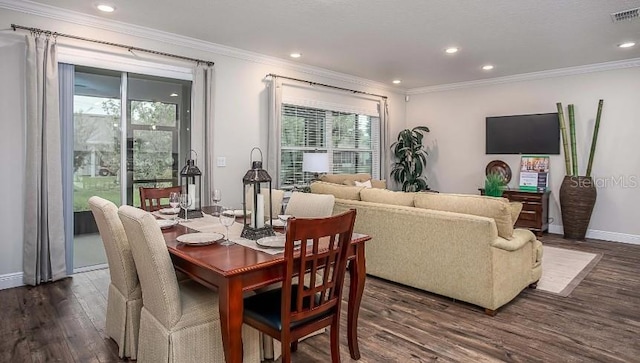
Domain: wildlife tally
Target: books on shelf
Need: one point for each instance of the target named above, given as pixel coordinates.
(534, 173)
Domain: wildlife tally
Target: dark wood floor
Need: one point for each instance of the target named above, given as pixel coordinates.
(599, 321)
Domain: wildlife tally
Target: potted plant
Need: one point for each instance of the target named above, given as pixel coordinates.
(494, 185)
(411, 159)
(577, 193)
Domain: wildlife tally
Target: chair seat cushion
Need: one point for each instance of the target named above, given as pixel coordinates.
(265, 308)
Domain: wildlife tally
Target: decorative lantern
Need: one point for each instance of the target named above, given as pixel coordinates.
(253, 182)
(191, 182)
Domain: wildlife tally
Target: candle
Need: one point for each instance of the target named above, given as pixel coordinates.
(191, 192)
(259, 212)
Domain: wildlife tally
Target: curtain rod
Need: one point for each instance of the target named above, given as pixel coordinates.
(326, 85)
(128, 47)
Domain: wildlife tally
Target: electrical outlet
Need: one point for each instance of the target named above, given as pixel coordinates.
(221, 161)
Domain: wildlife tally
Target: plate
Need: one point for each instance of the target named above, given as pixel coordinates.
(199, 239)
(273, 242)
(499, 167)
(277, 223)
(240, 212)
(169, 210)
(166, 223)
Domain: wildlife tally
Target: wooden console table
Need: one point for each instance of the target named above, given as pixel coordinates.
(535, 209)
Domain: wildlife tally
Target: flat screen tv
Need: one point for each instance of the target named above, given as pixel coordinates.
(523, 134)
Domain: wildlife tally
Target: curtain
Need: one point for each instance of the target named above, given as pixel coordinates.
(202, 123)
(44, 245)
(274, 133)
(385, 143)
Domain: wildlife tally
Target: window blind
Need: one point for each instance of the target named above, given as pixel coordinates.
(351, 140)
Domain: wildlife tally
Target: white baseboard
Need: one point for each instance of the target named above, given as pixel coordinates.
(8, 281)
(90, 268)
(602, 235)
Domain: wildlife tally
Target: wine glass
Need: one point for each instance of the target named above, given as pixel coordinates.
(174, 201)
(216, 197)
(227, 218)
(185, 203)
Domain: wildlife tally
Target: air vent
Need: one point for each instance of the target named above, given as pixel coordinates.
(626, 15)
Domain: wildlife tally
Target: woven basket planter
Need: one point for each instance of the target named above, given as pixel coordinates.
(577, 199)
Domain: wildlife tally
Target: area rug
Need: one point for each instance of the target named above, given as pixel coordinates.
(563, 269)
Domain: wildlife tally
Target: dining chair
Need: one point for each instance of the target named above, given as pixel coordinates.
(298, 309)
(309, 205)
(124, 299)
(301, 205)
(150, 197)
(179, 321)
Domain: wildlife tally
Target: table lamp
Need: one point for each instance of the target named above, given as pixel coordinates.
(315, 163)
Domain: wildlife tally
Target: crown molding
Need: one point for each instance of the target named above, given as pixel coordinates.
(561, 72)
(73, 17)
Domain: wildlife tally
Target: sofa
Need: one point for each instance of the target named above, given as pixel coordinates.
(351, 179)
(460, 246)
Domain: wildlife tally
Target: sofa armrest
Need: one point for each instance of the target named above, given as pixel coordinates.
(520, 238)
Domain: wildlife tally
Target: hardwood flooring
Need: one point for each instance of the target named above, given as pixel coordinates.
(598, 322)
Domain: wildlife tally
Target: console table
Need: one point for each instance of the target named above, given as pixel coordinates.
(535, 209)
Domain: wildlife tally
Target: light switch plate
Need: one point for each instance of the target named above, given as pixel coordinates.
(221, 161)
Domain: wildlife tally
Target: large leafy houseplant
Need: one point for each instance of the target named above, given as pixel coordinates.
(411, 159)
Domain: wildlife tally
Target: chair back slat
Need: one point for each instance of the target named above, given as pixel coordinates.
(323, 248)
(150, 198)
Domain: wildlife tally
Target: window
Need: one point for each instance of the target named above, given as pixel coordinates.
(351, 140)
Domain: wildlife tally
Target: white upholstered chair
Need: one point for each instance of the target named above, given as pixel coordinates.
(179, 322)
(125, 297)
(309, 205)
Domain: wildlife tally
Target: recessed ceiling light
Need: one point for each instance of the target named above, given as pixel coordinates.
(295, 55)
(626, 45)
(451, 50)
(106, 8)
(397, 81)
(487, 67)
(173, 94)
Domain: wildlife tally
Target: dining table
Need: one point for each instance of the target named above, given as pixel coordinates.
(234, 270)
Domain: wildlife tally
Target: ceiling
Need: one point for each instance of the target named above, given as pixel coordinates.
(383, 40)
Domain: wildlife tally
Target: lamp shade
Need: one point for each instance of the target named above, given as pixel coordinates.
(315, 162)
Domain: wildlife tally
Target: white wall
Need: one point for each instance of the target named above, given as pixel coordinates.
(240, 113)
(12, 155)
(457, 157)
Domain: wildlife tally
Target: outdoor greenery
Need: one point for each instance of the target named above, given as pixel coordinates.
(97, 143)
(411, 159)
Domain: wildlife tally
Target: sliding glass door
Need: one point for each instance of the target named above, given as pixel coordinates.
(129, 130)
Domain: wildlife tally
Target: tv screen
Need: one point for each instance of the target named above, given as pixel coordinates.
(523, 134)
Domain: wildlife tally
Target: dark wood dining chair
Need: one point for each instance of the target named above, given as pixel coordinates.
(150, 197)
(309, 303)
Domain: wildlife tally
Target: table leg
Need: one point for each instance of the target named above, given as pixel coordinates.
(357, 274)
(231, 311)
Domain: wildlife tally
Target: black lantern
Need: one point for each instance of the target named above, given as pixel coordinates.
(253, 182)
(191, 182)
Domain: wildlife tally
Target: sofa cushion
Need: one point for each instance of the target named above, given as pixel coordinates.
(379, 184)
(342, 178)
(337, 190)
(385, 196)
(516, 208)
(490, 207)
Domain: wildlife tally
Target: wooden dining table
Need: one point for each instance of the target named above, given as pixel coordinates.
(234, 270)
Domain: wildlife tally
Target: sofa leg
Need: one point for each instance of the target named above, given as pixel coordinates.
(533, 285)
(490, 312)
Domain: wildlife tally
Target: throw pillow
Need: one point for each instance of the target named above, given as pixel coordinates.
(516, 208)
(381, 184)
(366, 184)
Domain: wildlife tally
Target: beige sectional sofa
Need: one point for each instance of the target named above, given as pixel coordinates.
(460, 246)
